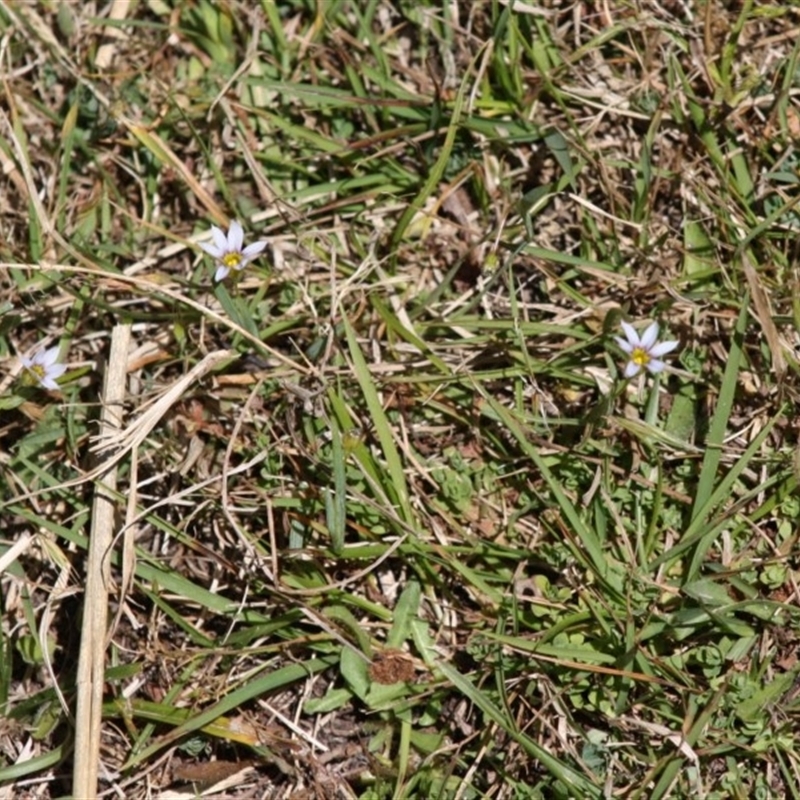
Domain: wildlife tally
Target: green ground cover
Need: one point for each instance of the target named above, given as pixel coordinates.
(399, 509)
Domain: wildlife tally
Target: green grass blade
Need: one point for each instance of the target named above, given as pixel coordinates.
(395, 485)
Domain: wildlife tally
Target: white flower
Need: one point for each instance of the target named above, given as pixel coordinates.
(44, 368)
(645, 351)
(228, 250)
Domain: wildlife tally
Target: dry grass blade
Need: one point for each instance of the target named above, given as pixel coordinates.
(765, 317)
(123, 441)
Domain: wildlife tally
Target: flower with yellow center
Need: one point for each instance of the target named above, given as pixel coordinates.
(44, 368)
(645, 351)
(228, 251)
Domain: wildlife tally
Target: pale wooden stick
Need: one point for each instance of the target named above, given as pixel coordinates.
(91, 662)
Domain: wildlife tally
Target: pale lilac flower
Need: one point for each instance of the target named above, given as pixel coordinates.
(645, 351)
(228, 251)
(44, 367)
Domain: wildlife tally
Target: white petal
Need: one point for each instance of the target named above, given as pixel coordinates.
(212, 250)
(56, 370)
(49, 357)
(631, 369)
(655, 365)
(650, 336)
(235, 237)
(220, 240)
(663, 348)
(252, 250)
(26, 362)
(221, 273)
(630, 334)
(624, 344)
(48, 383)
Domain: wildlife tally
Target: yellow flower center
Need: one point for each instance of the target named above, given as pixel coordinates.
(232, 260)
(35, 374)
(640, 357)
